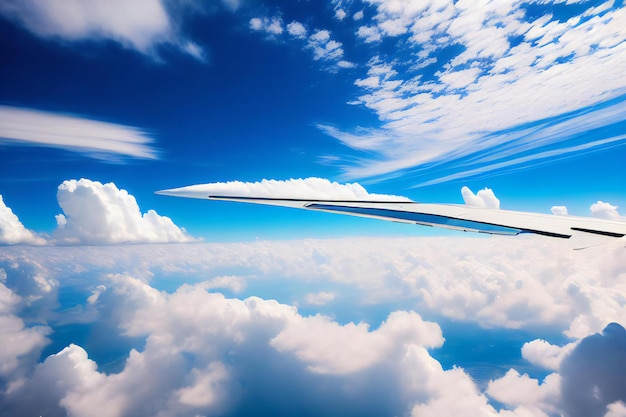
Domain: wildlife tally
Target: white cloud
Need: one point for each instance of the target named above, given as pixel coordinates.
(297, 30)
(526, 395)
(272, 26)
(340, 14)
(616, 409)
(314, 188)
(324, 48)
(484, 198)
(369, 34)
(22, 288)
(328, 347)
(444, 116)
(192, 333)
(358, 15)
(604, 210)
(546, 355)
(96, 213)
(12, 231)
(320, 41)
(320, 298)
(92, 137)
(514, 283)
(141, 25)
(559, 210)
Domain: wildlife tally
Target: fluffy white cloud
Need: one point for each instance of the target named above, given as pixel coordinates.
(328, 347)
(297, 30)
(498, 282)
(587, 382)
(12, 231)
(559, 210)
(24, 291)
(96, 213)
(271, 26)
(605, 211)
(92, 137)
(484, 198)
(141, 25)
(218, 351)
(616, 409)
(546, 355)
(525, 395)
(314, 188)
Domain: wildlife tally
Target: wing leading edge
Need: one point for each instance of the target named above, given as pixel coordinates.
(456, 217)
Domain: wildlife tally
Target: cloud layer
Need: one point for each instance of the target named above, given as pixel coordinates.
(217, 351)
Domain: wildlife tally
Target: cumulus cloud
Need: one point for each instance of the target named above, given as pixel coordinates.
(297, 29)
(604, 210)
(485, 198)
(559, 210)
(592, 374)
(92, 137)
(271, 26)
(12, 231)
(313, 188)
(217, 353)
(546, 355)
(140, 25)
(22, 290)
(96, 213)
(587, 380)
(330, 348)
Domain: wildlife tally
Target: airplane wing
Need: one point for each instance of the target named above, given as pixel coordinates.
(449, 216)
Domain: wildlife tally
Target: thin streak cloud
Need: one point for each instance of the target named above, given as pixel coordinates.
(102, 140)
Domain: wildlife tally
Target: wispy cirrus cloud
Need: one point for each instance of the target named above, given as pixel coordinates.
(98, 139)
(489, 78)
(141, 25)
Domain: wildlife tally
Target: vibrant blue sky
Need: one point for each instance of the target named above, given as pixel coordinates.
(230, 309)
(350, 91)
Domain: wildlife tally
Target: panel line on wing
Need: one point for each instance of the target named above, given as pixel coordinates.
(598, 232)
(304, 200)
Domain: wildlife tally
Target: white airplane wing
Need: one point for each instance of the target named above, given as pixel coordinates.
(449, 216)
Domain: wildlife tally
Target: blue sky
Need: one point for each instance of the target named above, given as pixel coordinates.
(102, 103)
(526, 99)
